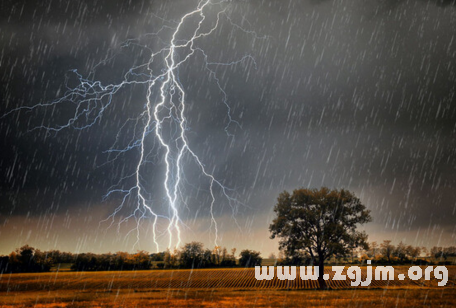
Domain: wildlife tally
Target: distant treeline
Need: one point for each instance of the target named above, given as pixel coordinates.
(401, 253)
(192, 255)
(383, 253)
(26, 259)
(112, 262)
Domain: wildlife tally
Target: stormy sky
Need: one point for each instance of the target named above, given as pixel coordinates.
(345, 94)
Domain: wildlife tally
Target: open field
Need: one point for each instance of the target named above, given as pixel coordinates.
(213, 288)
(236, 298)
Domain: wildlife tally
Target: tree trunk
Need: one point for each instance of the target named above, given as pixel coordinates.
(321, 272)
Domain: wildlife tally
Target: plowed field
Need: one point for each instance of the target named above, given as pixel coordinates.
(214, 288)
(193, 279)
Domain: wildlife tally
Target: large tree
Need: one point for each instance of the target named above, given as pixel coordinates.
(322, 222)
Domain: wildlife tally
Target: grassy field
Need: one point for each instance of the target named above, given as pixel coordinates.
(213, 288)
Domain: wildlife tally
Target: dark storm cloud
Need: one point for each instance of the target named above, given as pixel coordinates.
(40, 42)
(394, 3)
(355, 94)
(349, 101)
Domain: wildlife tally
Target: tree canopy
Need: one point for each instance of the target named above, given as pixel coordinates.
(320, 222)
(250, 258)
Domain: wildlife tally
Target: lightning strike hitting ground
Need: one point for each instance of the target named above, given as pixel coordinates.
(162, 113)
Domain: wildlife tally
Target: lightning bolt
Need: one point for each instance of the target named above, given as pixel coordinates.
(92, 99)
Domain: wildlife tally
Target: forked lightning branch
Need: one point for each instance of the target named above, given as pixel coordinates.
(164, 111)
